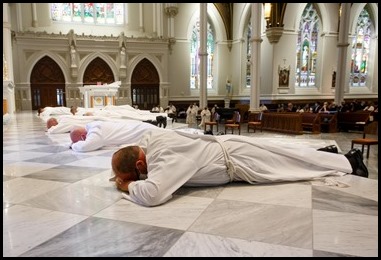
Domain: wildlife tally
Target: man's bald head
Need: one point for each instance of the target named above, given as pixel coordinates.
(51, 122)
(78, 134)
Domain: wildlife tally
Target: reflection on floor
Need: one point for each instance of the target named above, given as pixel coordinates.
(60, 203)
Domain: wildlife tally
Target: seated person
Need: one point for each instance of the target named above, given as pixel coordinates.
(152, 171)
(171, 112)
(205, 117)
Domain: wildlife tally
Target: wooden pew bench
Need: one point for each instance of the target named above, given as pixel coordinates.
(328, 122)
(352, 120)
(311, 122)
(283, 122)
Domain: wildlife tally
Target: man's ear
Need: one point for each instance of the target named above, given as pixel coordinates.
(141, 165)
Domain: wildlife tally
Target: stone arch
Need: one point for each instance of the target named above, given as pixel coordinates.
(98, 71)
(145, 85)
(47, 84)
(89, 58)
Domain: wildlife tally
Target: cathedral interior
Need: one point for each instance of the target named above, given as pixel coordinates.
(233, 56)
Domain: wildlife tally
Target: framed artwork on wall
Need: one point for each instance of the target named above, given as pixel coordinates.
(284, 76)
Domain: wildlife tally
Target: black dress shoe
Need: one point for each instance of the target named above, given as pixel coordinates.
(161, 121)
(330, 149)
(208, 132)
(153, 122)
(356, 159)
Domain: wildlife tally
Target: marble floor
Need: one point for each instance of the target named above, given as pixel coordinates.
(60, 203)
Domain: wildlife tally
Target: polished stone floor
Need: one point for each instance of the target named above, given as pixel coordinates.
(60, 203)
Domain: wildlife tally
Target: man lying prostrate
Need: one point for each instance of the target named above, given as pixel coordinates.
(98, 134)
(46, 112)
(164, 160)
(51, 123)
(64, 124)
(81, 111)
(127, 111)
(58, 112)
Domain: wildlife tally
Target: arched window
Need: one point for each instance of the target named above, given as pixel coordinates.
(96, 13)
(248, 55)
(360, 50)
(195, 59)
(306, 49)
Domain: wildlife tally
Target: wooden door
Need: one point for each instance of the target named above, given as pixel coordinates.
(47, 84)
(145, 83)
(98, 71)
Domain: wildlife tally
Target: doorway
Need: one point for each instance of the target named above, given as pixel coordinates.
(47, 84)
(145, 85)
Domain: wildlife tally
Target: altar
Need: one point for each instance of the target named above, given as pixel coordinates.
(97, 96)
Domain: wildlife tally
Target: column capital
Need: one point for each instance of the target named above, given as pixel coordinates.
(274, 34)
(341, 45)
(171, 11)
(256, 39)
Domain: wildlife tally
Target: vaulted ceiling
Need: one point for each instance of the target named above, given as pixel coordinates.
(226, 12)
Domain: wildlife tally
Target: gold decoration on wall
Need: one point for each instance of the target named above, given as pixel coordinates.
(5, 68)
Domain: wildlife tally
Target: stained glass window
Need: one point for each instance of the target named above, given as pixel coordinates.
(306, 48)
(195, 59)
(98, 13)
(77, 12)
(360, 50)
(248, 55)
(101, 13)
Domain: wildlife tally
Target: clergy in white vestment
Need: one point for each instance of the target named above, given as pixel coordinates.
(66, 123)
(171, 159)
(128, 112)
(98, 134)
(205, 117)
(46, 112)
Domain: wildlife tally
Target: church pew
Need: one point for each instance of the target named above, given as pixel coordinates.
(283, 122)
(352, 120)
(311, 122)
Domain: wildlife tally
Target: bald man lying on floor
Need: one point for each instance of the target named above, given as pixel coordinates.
(98, 134)
(64, 124)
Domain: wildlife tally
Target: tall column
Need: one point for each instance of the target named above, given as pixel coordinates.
(8, 85)
(34, 15)
(160, 19)
(141, 24)
(255, 68)
(342, 52)
(154, 30)
(171, 10)
(19, 17)
(203, 55)
(7, 41)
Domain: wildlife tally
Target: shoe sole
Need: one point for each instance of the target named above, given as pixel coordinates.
(361, 170)
(329, 149)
